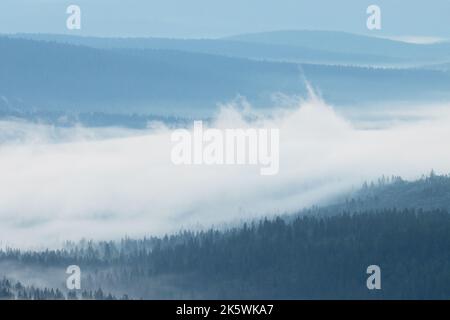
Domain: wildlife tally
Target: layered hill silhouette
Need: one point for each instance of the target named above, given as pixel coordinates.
(43, 76)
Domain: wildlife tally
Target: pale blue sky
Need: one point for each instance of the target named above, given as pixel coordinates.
(215, 18)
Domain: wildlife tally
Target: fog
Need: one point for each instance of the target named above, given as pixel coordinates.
(60, 184)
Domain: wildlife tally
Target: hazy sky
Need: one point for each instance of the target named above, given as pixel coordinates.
(214, 18)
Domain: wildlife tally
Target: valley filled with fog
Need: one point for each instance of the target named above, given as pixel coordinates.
(104, 183)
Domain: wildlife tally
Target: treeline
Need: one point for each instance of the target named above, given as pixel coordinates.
(92, 119)
(430, 192)
(15, 290)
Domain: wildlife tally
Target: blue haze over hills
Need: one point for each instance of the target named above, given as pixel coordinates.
(210, 232)
(58, 74)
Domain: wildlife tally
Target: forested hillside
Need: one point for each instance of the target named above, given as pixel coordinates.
(314, 254)
(11, 290)
(429, 192)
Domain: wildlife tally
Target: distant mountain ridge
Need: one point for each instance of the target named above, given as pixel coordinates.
(342, 42)
(293, 46)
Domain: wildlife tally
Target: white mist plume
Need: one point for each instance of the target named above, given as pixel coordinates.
(65, 184)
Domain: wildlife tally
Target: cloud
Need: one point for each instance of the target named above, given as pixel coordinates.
(418, 39)
(60, 184)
